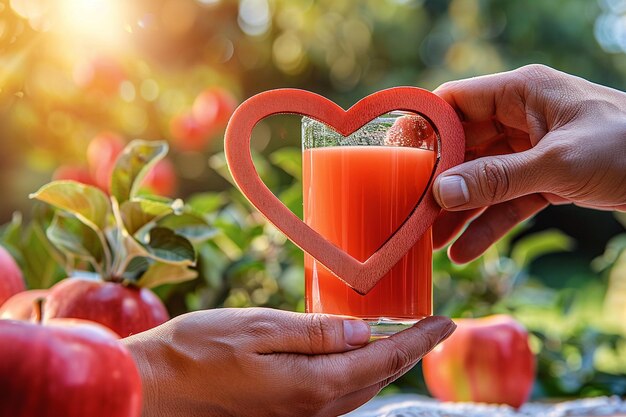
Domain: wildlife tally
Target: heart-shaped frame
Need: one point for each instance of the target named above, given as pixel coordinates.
(361, 276)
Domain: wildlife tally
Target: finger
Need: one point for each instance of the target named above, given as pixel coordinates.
(449, 224)
(480, 99)
(351, 401)
(387, 357)
(495, 179)
(482, 132)
(354, 400)
(499, 147)
(277, 331)
(494, 223)
(557, 201)
(490, 149)
(496, 148)
(609, 207)
(510, 142)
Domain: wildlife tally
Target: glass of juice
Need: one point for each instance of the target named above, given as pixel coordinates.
(357, 191)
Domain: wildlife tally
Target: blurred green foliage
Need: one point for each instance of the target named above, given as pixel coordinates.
(159, 55)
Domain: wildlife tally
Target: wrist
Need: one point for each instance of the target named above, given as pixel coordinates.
(148, 364)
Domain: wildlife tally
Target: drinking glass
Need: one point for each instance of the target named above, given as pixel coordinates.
(357, 191)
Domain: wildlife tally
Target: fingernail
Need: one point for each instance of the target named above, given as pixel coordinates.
(447, 332)
(453, 191)
(356, 332)
(438, 325)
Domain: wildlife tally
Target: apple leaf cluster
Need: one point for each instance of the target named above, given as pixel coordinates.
(127, 236)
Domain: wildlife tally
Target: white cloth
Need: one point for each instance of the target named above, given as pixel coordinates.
(411, 405)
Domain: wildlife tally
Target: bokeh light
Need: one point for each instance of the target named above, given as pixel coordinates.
(610, 27)
(99, 21)
(254, 16)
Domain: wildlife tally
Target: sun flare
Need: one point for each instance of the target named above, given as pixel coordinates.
(97, 21)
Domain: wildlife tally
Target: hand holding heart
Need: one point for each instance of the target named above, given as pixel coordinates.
(534, 136)
(361, 276)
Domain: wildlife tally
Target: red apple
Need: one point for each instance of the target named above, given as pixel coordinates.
(125, 310)
(213, 107)
(161, 179)
(102, 153)
(66, 368)
(20, 306)
(75, 173)
(11, 279)
(188, 134)
(485, 360)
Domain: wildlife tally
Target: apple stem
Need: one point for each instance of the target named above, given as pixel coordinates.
(118, 270)
(116, 279)
(38, 309)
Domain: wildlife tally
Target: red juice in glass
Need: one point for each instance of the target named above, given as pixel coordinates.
(357, 192)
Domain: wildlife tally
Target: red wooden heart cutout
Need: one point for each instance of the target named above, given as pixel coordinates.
(361, 276)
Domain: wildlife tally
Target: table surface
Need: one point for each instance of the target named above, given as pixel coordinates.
(411, 405)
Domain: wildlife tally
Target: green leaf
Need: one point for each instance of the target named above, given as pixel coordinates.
(136, 267)
(89, 204)
(166, 246)
(206, 203)
(11, 233)
(291, 280)
(292, 198)
(141, 211)
(42, 265)
(161, 273)
(132, 165)
(613, 249)
(212, 262)
(190, 225)
(237, 235)
(263, 168)
(71, 236)
(289, 160)
(535, 245)
(160, 244)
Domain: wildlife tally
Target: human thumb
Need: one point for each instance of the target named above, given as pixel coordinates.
(491, 180)
(312, 333)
